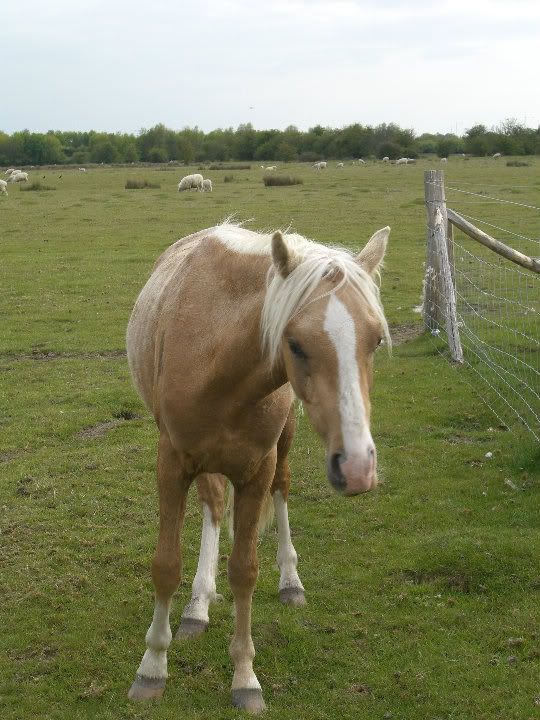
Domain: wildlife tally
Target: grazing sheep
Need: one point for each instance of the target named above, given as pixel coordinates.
(402, 161)
(207, 185)
(340, 165)
(82, 169)
(191, 181)
(386, 159)
(361, 162)
(18, 177)
(272, 167)
(444, 159)
(10, 170)
(3, 187)
(497, 155)
(320, 165)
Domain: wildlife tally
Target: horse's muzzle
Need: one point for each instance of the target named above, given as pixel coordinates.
(353, 475)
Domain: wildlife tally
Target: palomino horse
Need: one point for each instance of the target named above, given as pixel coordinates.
(229, 324)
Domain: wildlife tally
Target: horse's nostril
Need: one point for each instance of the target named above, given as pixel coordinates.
(371, 452)
(335, 474)
(335, 461)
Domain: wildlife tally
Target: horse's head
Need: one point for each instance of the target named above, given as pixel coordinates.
(327, 348)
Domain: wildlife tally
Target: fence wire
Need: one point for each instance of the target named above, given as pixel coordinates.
(498, 314)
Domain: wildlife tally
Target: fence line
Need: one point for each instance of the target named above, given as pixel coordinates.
(488, 308)
(488, 197)
(504, 230)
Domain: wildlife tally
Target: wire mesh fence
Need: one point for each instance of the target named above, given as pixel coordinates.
(497, 306)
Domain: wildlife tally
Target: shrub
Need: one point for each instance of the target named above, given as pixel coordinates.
(270, 180)
(140, 184)
(157, 155)
(517, 163)
(230, 166)
(36, 186)
(228, 178)
(391, 150)
(310, 157)
(80, 157)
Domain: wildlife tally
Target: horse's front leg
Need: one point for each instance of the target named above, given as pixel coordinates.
(243, 570)
(291, 590)
(173, 485)
(195, 619)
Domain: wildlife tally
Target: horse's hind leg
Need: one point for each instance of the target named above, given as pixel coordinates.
(291, 590)
(173, 484)
(211, 490)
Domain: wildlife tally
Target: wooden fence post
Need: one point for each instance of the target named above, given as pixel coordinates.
(434, 195)
(446, 288)
(439, 293)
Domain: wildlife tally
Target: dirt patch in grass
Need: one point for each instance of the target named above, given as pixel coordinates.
(53, 355)
(6, 457)
(404, 333)
(449, 579)
(101, 429)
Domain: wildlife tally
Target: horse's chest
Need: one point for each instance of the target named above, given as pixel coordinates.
(229, 436)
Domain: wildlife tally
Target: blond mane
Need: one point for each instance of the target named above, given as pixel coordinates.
(286, 297)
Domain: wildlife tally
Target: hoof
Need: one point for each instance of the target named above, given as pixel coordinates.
(146, 688)
(249, 699)
(292, 596)
(191, 628)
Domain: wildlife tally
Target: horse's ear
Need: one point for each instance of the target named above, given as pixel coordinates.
(371, 257)
(284, 259)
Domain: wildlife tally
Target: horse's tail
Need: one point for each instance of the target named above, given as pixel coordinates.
(265, 519)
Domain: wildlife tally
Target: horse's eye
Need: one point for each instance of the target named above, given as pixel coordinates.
(296, 350)
(380, 341)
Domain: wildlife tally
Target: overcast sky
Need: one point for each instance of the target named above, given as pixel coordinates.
(121, 65)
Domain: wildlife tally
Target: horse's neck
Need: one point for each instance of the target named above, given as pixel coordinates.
(222, 300)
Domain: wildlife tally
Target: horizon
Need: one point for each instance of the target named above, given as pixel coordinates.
(496, 128)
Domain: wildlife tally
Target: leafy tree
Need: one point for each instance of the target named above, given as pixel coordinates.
(157, 155)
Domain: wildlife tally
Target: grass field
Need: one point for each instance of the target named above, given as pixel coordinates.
(423, 597)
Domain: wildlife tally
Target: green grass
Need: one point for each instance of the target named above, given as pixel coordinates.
(423, 597)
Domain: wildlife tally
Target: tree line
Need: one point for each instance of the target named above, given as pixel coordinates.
(161, 144)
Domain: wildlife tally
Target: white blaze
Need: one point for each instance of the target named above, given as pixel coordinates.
(339, 325)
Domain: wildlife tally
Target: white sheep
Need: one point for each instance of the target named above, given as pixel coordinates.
(497, 155)
(271, 167)
(444, 160)
(386, 159)
(361, 162)
(18, 177)
(10, 170)
(320, 165)
(207, 185)
(3, 187)
(340, 165)
(191, 181)
(82, 169)
(402, 161)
